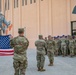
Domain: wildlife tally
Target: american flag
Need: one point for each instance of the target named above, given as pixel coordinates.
(5, 48)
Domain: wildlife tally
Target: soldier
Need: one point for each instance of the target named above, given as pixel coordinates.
(59, 46)
(75, 46)
(56, 46)
(3, 20)
(45, 48)
(20, 45)
(40, 45)
(71, 46)
(63, 46)
(50, 50)
(67, 44)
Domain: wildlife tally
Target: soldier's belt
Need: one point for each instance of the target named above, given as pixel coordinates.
(18, 44)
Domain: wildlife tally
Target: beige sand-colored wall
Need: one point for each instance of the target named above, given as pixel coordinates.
(43, 17)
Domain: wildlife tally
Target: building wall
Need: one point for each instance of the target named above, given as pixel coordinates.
(47, 17)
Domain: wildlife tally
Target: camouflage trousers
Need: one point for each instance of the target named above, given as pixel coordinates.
(71, 50)
(67, 50)
(56, 52)
(63, 49)
(59, 50)
(50, 54)
(19, 67)
(75, 50)
(40, 60)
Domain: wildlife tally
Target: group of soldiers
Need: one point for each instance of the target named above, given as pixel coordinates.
(54, 46)
(64, 45)
(50, 46)
(41, 46)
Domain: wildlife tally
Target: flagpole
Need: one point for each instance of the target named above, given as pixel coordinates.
(4, 15)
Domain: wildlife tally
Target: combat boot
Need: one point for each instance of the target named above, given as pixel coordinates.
(71, 55)
(42, 69)
(39, 69)
(51, 64)
(63, 55)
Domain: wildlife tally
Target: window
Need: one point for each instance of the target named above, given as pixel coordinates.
(25, 2)
(0, 5)
(14, 4)
(30, 1)
(73, 27)
(8, 4)
(34, 1)
(5, 4)
(17, 3)
(22, 2)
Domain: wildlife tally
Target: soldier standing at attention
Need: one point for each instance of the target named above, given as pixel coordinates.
(50, 50)
(3, 20)
(67, 44)
(56, 46)
(20, 45)
(71, 46)
(45, 48)
(40, 45)
(75, 46)
(59, 46)
(63, 46)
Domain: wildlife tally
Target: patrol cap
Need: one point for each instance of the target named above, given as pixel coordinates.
(20, 30)
(58, 36)
(63, 35)
(40, 36)
(49, 36)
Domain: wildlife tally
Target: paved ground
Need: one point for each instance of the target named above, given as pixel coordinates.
(62, 66)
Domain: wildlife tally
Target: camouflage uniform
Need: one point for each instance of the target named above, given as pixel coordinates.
(63, 46)
(71, 47)
(56, 47)
(20, 44)
(50, 51)
(40, 45)
(67, 46)
(45, 47)
(75, 46)
(3, 20)
(59, 46)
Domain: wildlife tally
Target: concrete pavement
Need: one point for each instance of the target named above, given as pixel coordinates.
(62, 65)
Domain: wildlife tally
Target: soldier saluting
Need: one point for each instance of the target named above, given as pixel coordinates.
(3, 21)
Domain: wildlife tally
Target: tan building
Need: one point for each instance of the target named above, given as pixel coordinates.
(39, 17)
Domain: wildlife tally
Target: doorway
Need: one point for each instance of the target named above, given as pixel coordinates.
(73, 28)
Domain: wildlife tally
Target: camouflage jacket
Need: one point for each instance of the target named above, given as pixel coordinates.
(50, 44)
(20, 45)
(71, 43)
(63, 41)
(40, 45)
(56, 44)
